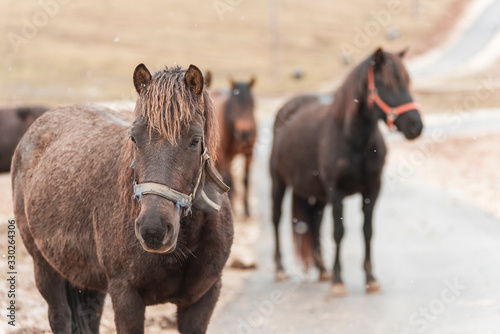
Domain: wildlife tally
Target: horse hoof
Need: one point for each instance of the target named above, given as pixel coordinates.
(373, 287)
(338, 290)
(325, 276)
(281, 276)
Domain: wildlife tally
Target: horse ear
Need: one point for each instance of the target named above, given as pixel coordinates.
(402, 53)
(208, 79)
(142, 77)
(194, 79)
(379, 56)
(252, 82)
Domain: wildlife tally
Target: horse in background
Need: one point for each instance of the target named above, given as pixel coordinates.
(327, 151)
(133, 210)
(237, 128)
(14, 122)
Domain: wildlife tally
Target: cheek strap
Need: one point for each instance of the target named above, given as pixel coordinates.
(374, 99)
(182, 200)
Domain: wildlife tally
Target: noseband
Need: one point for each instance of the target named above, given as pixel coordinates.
(391, 113)
(182, 200)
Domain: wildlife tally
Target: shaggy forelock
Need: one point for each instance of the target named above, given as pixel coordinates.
(168, 104)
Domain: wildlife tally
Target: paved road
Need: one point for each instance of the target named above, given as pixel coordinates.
(473, 40)
(435, 256)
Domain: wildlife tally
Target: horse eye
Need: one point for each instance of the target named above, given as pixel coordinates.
(195, 142)
(132, 139)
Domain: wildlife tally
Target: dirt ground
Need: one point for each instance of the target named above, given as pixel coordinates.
(467, 166)
(32, 308)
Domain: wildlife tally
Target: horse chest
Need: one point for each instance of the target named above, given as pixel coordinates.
(159, 285)
(351, 174)
(349, 182)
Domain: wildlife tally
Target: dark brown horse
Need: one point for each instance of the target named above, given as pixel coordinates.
(238, 130)
(327, 150)
(75, 175)
(14, 122)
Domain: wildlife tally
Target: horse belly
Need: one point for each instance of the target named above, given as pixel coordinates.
(349, 184)
(65, 237)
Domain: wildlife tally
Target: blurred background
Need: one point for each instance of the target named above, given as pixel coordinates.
(437, 219)
(66, 51)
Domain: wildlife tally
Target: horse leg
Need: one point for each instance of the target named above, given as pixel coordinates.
(369, 199)
(49, 282)
(338, 288)
(128, 306)
(278, 191)
(94, 301)
(86, 309)
(52, 287)
(194, 318)
(316, 218)
(248, 162)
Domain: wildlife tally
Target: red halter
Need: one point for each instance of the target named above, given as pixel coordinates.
(391, 112)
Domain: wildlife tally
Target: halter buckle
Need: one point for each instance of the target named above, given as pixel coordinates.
(392, 114)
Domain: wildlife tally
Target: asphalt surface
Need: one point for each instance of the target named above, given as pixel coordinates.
(435, 256)
(470, 43)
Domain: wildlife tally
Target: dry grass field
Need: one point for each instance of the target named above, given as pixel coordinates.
(87, 50)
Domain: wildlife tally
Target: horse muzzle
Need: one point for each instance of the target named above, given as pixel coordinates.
(157, 233)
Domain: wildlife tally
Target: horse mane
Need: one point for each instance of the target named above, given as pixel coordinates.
(168, 105)
(126, 178)
(351, 96)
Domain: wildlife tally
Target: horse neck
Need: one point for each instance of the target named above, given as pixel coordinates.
(360, 132)
(363, 130)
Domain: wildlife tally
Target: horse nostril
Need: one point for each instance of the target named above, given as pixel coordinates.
(153, 235)
(417, 130)
(247, 135)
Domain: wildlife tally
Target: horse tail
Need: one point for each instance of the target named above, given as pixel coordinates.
(303, 231)
(86, 309)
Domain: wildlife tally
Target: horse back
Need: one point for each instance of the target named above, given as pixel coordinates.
(298, 104)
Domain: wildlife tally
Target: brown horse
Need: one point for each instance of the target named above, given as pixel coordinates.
(14, 122)
(238, 130)
(75, 175)
(327, 150)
